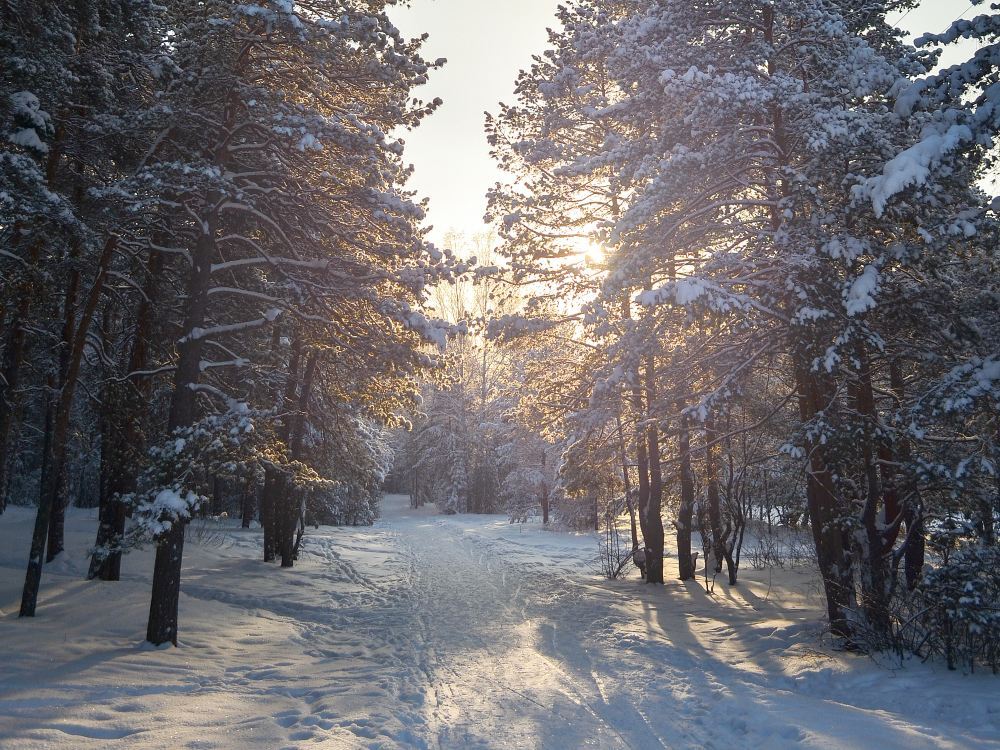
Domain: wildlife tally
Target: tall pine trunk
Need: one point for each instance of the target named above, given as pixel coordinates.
(57, 522)
(60, 433)
(544, 493)
(13, 358)
(123, 440)
(825, 508)
(247, 502)
(685, 513)
(627, 486)
(639, 442)
(165, 596)
(871, 558)
(913, 510)
(292, 511)
(274, 497)
(720, 547)
(654, 521)
(268, 495)
(288, 512)
(642, 466)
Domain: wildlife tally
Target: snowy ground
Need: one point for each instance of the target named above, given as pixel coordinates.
(461, 632)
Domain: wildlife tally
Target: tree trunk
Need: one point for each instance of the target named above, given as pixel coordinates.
(290, 504)
(822, 501)
(642, 461)
(871, 557)
(301, 528)
(545, 494)
(57, 519)
(993, 507)
(639, 437)
(825, 511)
(719, 535)
(164, 598)
(218, 499)
(13, 358)
(274, 496)
(99, 557)
(913, 508)
(654, 519)
(248, 505)
(627, 486)
(287, 520)
(267, 515)
(60, 433)
(685, 514)
(124, 439)
(57, 522)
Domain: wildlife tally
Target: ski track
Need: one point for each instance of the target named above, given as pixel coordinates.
(433, 633)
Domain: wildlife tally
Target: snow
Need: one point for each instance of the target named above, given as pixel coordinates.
(431, 330)
(169, 503)
(968, 382)
(861, 295)
(28, 138)
(198, 333)
(429, 631)
(25, 105)
(171, 500)
(684, 292)
(309, 142)
(912, 167)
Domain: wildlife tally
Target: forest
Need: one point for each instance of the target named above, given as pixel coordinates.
(741, 280)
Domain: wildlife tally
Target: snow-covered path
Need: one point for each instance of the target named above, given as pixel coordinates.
(434, 632)
(489, 673)
(521, 648)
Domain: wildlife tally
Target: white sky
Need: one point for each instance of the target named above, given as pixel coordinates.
(487, 42)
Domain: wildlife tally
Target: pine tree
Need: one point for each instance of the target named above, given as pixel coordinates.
(292, 212)
(63, 99)
(759, 160)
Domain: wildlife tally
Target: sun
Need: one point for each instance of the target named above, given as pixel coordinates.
(588, 250)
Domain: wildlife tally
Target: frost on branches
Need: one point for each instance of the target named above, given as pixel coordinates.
(174, 485)
(795, 272)
(174, 250)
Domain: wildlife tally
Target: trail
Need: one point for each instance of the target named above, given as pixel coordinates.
(519, 649)
(493, 675)
(428, 632)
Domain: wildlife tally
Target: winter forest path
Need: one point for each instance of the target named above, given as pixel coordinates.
(521, 646)
(491, 673)
(441, 633)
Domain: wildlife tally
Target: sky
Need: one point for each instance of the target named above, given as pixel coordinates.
(486, 43)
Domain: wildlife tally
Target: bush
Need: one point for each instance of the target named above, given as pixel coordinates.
(960, 602)
(766, 553)
(615, 557)
(953, 613)
(779, 547)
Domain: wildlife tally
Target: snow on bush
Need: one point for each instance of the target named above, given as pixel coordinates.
(959, 601)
